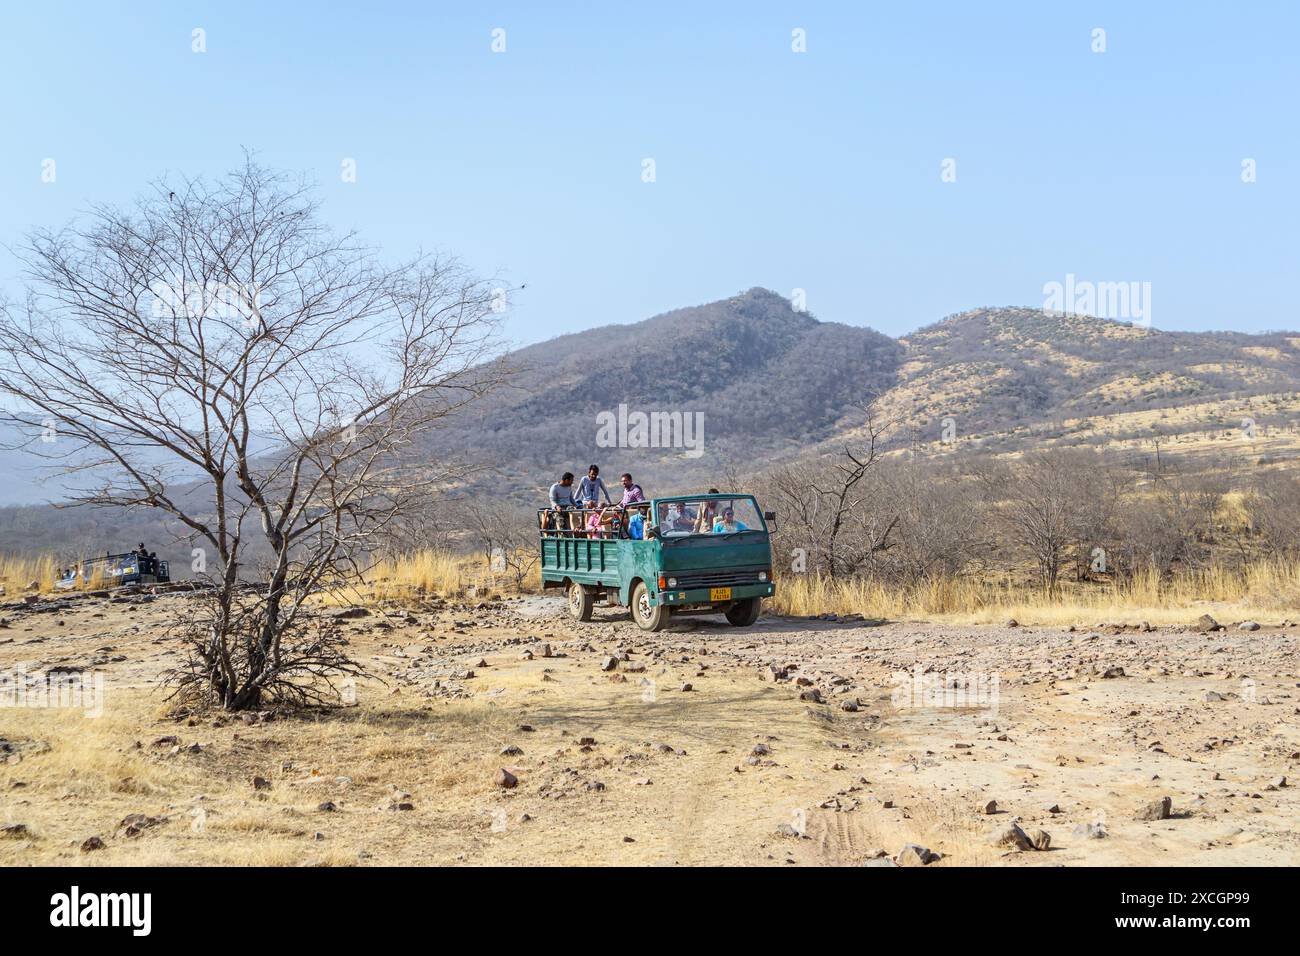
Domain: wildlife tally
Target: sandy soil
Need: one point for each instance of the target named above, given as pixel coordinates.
(628, 766)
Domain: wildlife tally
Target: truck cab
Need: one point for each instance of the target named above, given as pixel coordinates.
(695, 554)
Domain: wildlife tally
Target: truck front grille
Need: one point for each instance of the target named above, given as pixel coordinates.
(693, 580)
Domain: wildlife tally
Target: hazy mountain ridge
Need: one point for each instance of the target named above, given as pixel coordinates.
(773, 383)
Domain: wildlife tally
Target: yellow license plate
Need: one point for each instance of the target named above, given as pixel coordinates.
(719, 594)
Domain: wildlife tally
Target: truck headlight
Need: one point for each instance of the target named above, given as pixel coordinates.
(762, 575)
(672, 582)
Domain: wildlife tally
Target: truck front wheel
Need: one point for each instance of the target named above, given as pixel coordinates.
(581, 601)
(744, 613)
(647, 617)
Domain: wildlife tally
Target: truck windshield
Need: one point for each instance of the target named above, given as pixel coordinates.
(676, 519)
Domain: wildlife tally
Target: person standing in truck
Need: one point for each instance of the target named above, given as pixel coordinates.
(591, 488)
(632, 492)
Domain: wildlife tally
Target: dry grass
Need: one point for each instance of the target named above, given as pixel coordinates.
(16, 573)
(1264, 589)
(441, 572)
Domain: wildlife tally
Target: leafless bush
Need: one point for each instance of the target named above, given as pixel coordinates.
(940, 524)
(1274, 507)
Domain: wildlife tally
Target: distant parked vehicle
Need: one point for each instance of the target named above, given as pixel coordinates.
(112, 570)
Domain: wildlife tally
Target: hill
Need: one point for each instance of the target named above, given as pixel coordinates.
(699, 395)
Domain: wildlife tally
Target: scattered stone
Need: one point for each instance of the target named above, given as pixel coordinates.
(913, 854)
(885, 861)
(812, 696)
(1042, 839)
(1248, 626)
(991, 808)
(15, 830)
(92, 843)
(1205, 624)
(1111, 672)
(686, 687)
(1012, 835)
(849, 705)
(1156, 810)
(349, 613)
(261, 783)
(609, 663)
(133, 824)
(1091, 831)
(326, 807)
(505, 779)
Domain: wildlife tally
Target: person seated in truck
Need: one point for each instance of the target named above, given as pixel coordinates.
(597, 523)
(636, 524)
(676, 518)
(728, 523)
(562, 500)
(591, 488)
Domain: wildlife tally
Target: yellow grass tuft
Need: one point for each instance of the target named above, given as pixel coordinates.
(444, 573)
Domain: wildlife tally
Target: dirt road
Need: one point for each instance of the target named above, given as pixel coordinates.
(794, 742)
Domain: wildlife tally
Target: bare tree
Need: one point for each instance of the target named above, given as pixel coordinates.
(1035, 503)
(504, 534)
(217, 354)
(1274, 508)
(829, 509)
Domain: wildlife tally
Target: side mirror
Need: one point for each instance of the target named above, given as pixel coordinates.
(770, 518)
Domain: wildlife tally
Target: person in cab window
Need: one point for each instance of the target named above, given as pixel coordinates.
(636, 525)
(728, 523)
(685, 519)
(708, 513)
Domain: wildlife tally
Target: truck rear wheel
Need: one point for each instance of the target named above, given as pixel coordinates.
(581, 601)
(744, 613)
(647, 617)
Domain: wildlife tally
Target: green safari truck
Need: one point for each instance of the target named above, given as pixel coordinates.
(694, 554)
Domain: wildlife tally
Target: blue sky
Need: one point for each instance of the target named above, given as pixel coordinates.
(817, 170)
